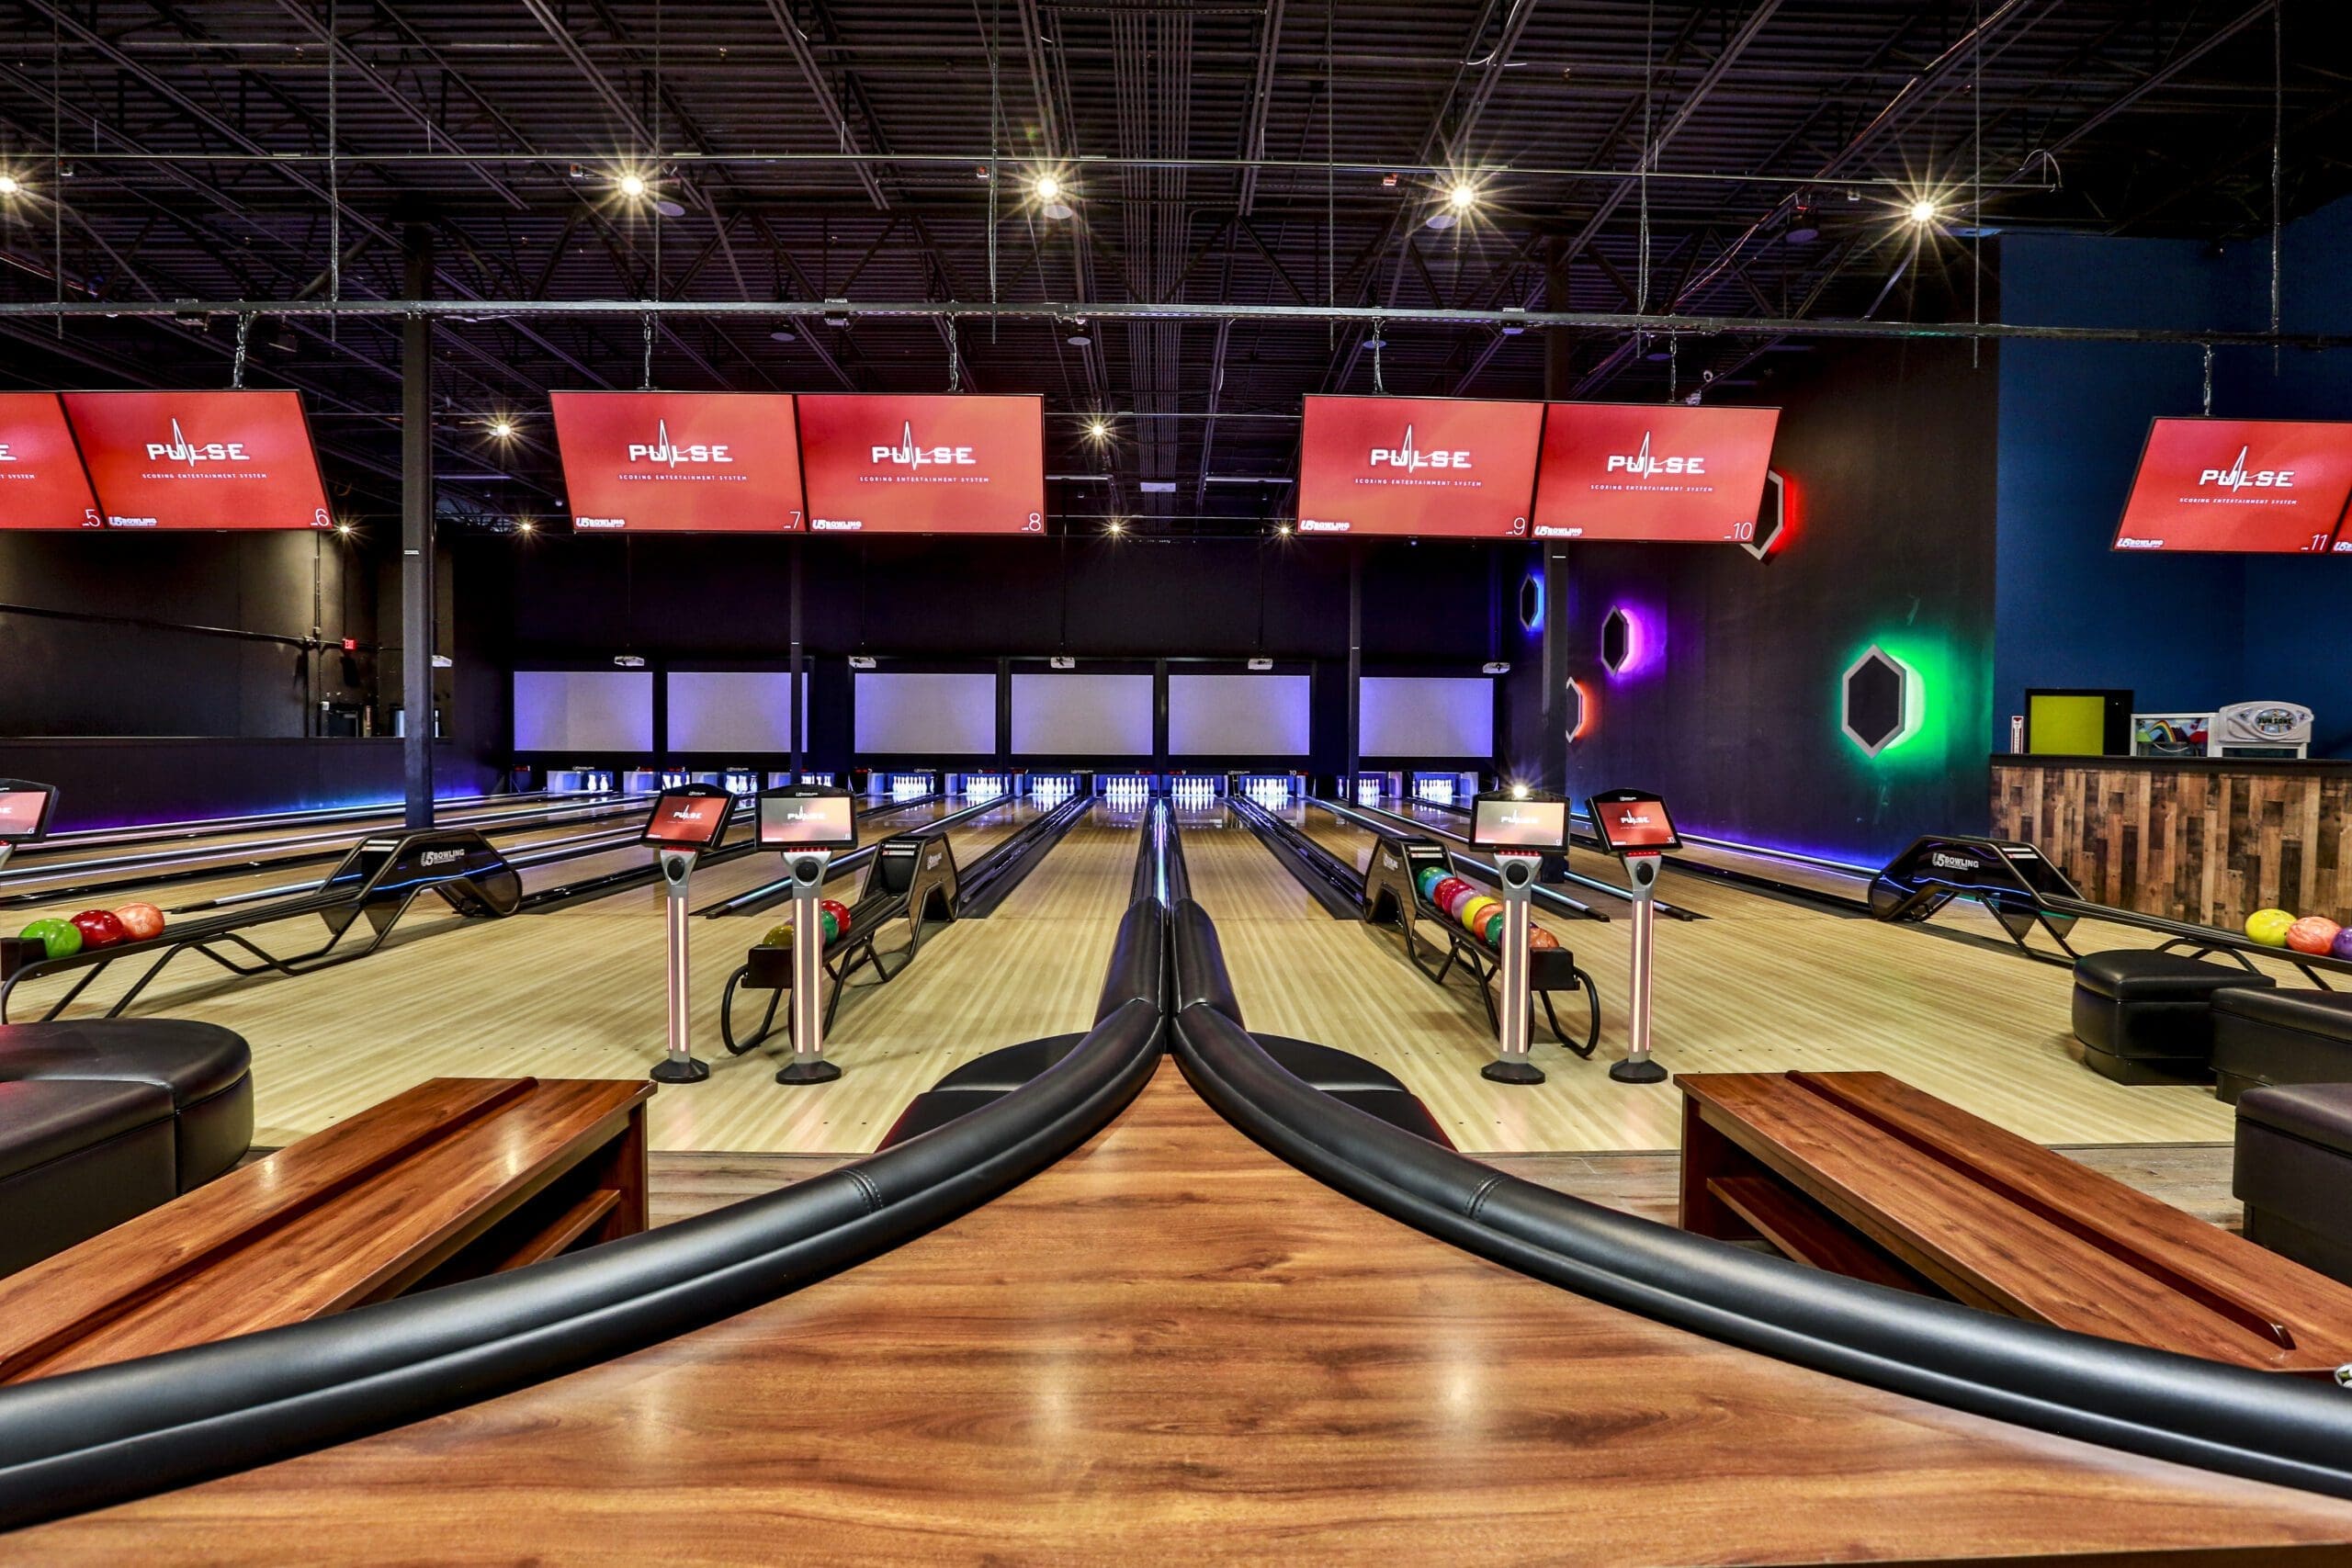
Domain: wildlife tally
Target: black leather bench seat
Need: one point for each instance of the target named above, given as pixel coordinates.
(2145, 1017)
(2294, 1173)
(103, 1119)
(2263, 1037)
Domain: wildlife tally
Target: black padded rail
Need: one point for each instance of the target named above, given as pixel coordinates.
(2290, 1431)
(89, 1440)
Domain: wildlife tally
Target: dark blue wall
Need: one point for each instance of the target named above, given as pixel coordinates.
(2181, 632)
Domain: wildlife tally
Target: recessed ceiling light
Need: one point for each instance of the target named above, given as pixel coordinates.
(669, 209)
(784, 334)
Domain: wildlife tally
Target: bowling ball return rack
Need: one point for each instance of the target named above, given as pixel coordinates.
(2025, 891)
(910, 876)
(1392, 895)
(368, 891)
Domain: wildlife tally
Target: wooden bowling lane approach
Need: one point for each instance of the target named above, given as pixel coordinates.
(1171, 1347)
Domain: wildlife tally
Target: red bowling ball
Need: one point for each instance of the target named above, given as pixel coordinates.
(100, 927)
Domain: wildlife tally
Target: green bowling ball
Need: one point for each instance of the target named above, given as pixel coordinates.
(58, 939)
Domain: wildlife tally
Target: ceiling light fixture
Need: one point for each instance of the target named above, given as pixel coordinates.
(502, 429)
(9, 185)
(1050, 193)
(1098, 430)
(631, 185)
(1923, 211)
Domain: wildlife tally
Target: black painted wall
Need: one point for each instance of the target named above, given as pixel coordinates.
(1890, 451)
(157, 675)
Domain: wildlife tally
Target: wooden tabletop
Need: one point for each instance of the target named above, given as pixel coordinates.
(1172, 1347)
(344, 1216)
(2003, 1223)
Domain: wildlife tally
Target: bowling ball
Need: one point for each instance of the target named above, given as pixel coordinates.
(2314, 933)
(1474, 913)
(1493, 934)
(2269, 927)
(828, 924)
(143, 921)
(839, 911)
(100, 929)
(2342, 946)
(1444, 889)
(1459, 900)
(1541, 940)
(778, 936)
(1431, 876)
(57, 938)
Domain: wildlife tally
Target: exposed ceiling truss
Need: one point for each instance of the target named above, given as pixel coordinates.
(1248, 185)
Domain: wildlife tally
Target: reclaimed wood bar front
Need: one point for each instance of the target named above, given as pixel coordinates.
(2210, 839)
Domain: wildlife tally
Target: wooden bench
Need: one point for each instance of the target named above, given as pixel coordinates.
(1863, 1175)
(455, 1179)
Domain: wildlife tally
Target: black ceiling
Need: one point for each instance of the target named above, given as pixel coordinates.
(1273, 153)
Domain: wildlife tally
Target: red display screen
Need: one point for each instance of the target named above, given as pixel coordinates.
(1441, 467)
(41, 481)
(1498, 822)
(200, 459)
(2243, 486)
(24, 813)
(808, 821)
(924, 465)
(681, 821)
(1664, 472)
(1631, 822)
(680, 462)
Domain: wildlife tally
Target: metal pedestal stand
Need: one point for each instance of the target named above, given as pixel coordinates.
(679, 1065)
(1517, 873)
(1637, 1068)
(808, 1064)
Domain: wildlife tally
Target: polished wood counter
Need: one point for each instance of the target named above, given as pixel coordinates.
(1173, 1347)
(2204, 839)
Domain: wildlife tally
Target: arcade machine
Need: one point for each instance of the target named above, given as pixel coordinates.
(1519, 830)
(687, 823)
(808, 823)
(1633, 825)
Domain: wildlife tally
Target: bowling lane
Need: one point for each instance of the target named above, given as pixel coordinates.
(240, 872)
(1742, 992)
(1352, 844)
(970, 838)
(578, 993)
(76, 849)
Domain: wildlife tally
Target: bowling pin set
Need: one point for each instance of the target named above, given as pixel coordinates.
(1186, 789)
(1272, 790)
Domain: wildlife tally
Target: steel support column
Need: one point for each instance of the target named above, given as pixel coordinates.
(416, 534)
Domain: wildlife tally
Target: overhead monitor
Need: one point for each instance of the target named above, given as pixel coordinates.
(1633, 822)
(691, 816)
(223, 460)
(879, 463)
(680, 462)
(1442, 468)
(25, 810)
(2241, 487)
(41, 481)
(808, 817)
(1664, 472)
(1520, 822)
